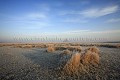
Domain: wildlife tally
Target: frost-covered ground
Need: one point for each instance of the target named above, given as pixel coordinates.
(37, 64)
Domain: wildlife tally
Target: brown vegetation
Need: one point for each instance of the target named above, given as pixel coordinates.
(66, 52)
(79, 61)
(73, 64)
(60, 48)
(41, 45)
(118, 46)
(27, 46)
(94, 49)
(53, 66)
(24, 46)
(50, 49)
(74, 48)
(90, 57)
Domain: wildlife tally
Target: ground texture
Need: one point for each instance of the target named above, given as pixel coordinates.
(37, 64)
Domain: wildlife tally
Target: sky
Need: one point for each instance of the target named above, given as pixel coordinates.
(33, 19)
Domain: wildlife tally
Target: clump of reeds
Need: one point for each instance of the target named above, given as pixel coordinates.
(60, 48)
(73, 64)
(118, 45)
(50, 49)
(74, 48)
(27, 46)
(81, 61)
(66, 51)
(94, 49)
(18, 46)
(1, 45)
(78, 48)
(90, 57)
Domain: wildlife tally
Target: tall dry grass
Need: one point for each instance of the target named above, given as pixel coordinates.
(66, 52)
(50, 49)
(89, 58)
(80, 62)
(73, 64)
(60, 47)
(94, 49)
(74, 48)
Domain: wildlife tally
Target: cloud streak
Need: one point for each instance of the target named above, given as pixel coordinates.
(85, 32)
(75, 21)
(93, 13)
(113, 20)
(77, 31)
(36, 16)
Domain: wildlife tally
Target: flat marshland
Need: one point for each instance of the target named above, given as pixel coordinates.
(60, 61)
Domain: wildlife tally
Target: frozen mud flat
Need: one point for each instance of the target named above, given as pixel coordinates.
(37, 64)
(15, 66)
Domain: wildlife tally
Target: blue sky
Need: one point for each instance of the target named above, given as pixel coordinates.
(64, 18)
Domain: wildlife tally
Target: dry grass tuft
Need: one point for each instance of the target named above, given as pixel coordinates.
(60, 48)
(27, 46)
(1, 45)
(78, 48)
(90, 57)
(94, 49)
(50, 49)
(66, 51)
(74, 48)
(81, 62)
(50, 45)
(41, 45)
(24, 46)
(73, 64)
(118, 45)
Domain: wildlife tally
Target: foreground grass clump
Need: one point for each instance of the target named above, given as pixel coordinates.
(66, 52)
(50, 49)
(94, 49)
(80, 62)
(90, 57)
(73, 64)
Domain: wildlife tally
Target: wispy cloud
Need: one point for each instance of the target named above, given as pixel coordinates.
(77, 31)
(36, 16)
(98, 12)
(111, 34)
(107, 31)
(65, 33)
(113, 20)
(32, 20)
(93, 12)
(90, 31)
